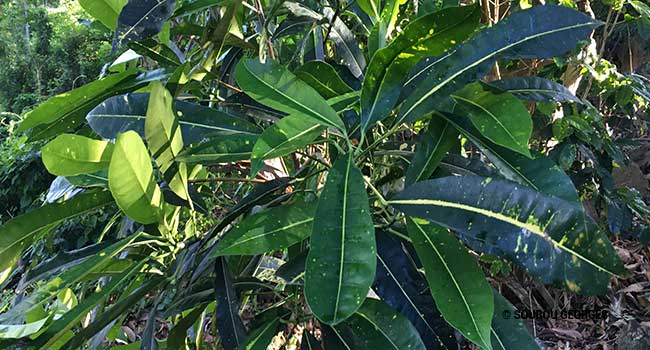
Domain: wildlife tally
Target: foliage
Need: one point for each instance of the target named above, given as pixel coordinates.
(283, 162)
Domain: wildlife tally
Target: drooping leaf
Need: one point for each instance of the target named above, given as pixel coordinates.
(456, 282)
(70, 155)
(535, 89)
(106, 11)
(501, 118)
(273, 229)
(377, 326)
(341, 262)
(539, 173)
(17, 233)
(229, 324)
(523, 34)
(275, 86)
(128, 112)
(432, 34)
(141, 19)
(323, 78)
(131, 181)
(400, 285)
(70, 319)
(74, 103)
(550, 237)
(509, 332)
(438, 138)
(115, 311)
(347, 47)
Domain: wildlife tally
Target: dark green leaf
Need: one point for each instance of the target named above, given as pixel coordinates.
(400, 285)
(128, 112)
(220, 149)
(501, 118)
(341, 263)
(177, 335)
(273, 229)
(535, 89)
(141, 19)
(523, 34)
(229, 324)
(438, 138)
(432, 34)
(323, 78)
(276, 87)
(377, 326)
(560, 244)
(347, 46)
(456, 282)
(509, 332)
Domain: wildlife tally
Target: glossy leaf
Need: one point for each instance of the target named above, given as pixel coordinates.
(553, 238)
(346, 44)
(509, 332)
(73, 103)
(229, 324)
(69, 155)
(141, 19)
(401, 285)
(323, 78)
(276, 87)
(341, 262)
(456, 282)
(128, 112)
(106, 11)
(523, 34)
(131, 181)
(438, 138)
(17, 233)
(501, 118)
(535, 89)
(431, 34)
(377, 326)
(539, 173)
(273, 229)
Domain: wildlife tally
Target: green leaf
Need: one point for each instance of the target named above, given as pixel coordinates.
(177, 335)
(273, 229)
(523, 34)
(58, 328)
(128, 112)
(106, 11)
(539, 173)
(535, 89)
(323, 78)
(140, 20)
(17, 233)
(229, 324)
(347, 46)
(455, 280)
(275, 86)
(70, 155)
(73, 103)
(261, 337)
(292, 132)
(532, 227)
(23, 330)
(161, 128)
(341, 262)
(509, 332)
(438, 138)
(371, 7)
(377, 326)
(131, 181)
(219, 149)
(189, 7)
(501, 118)
(432, 34)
